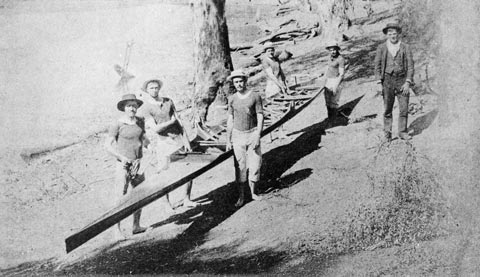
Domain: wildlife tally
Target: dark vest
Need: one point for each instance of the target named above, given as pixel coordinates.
(394, 66)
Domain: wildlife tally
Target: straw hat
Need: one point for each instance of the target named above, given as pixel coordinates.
(237, 73)
(159, 82)
(127, 98)
(268, 45)
(392, 26)
(332, 44)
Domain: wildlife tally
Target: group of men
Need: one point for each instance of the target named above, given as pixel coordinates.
(393, 72)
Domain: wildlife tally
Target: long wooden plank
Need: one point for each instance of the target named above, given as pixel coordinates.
(146, 194)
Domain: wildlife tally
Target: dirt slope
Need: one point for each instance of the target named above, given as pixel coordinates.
(316, 180)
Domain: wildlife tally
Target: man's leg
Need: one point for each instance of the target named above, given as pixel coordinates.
(254, 167)
(121, 181)
(240, 155)
(137, 229)
(328, 102)
(388, 101)
(187, 201)
(403, 116)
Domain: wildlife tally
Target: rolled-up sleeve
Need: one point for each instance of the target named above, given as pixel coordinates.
(258, 104)
(230, 106)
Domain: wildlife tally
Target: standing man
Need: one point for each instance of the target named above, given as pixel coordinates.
(165, 130)
(394, 75)
(244, 129)
(276, 83)
(125, 140)
(333, 77)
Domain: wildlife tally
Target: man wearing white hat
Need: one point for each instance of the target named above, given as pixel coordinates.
(394, 71)
(333, 77)
(276, 83)
(244, 129)
(165, 130)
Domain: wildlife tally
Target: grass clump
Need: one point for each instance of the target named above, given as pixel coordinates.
(405, 204)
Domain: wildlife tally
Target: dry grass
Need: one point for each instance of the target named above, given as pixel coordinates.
(405, 204)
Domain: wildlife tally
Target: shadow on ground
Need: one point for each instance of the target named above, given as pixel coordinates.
(422, 123)
(168, 256)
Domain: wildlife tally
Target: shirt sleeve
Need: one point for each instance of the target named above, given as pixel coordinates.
(113, 130)
(172, 108)
(258, 104)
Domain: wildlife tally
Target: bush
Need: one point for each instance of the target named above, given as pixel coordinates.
(405, 204)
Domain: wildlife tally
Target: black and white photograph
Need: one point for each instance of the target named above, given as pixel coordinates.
(240, 137)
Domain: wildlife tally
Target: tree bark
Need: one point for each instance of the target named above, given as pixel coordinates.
(211, 55)
(333, 16)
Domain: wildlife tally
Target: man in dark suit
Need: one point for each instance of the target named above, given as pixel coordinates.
(394, 74)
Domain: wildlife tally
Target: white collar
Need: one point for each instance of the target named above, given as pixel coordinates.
(393, 48)
(148, 98)
(127, 121)
(243, 96)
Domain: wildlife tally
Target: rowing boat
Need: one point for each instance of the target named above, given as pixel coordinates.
(208, 151)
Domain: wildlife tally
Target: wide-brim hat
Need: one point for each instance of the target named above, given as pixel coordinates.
(158, 81)
(392, 26)
(237, 74)
(127, 98)
(332, 44)
(268, 45)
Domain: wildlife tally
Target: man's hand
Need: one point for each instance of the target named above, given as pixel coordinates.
(229, 145)
(406, 89)
(125, 161)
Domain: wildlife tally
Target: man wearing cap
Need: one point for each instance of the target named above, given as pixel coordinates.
(394, 74)
(334, 73)
(164, 129)
(244, 128)
(275, 78)
(124, 142)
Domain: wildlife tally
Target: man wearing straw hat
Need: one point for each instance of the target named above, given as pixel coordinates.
(244, 129)
(394, 74)
(276, 83)
(124, 142)
(164, 130)
(334, 73)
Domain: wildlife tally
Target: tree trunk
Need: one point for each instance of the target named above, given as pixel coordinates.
(333, 16)
(211, 54)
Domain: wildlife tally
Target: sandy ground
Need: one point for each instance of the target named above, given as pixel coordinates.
(59, 65)
(313, 180)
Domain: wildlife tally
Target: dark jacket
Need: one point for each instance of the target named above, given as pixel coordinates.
(381, 61)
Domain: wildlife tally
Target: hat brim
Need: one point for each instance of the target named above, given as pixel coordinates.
(144, 86)
(121, 104)
(229, 78)
(333, 46)
(398, 28)
(268, 47)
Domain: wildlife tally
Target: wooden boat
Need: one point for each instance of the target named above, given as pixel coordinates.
(209, 150)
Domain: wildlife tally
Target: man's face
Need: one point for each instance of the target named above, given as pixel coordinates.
(131, 108)
(270, 52)
(153, 88)
(333, 52)
(239, 84)
(392, 35)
